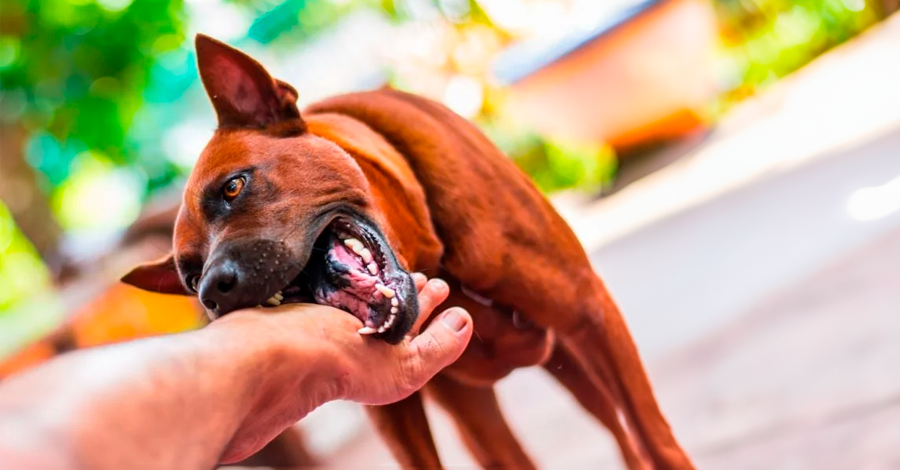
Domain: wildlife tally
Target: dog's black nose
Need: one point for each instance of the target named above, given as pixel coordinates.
(219, 290)
(243, 274)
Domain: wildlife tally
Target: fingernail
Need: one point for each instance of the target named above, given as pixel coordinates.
(454, 319)
(439, 283)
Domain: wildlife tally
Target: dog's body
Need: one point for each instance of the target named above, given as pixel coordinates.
(449, 204)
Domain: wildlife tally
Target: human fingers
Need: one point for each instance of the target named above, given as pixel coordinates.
(431, 295)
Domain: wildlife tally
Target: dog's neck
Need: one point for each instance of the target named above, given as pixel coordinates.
(393, 185)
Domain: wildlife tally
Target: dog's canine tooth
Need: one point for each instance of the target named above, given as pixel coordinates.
(373, 268)
(366, 255)
(367, 330)
(385, 290)
(395, 302)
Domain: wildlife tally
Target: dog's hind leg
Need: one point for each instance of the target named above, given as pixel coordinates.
(481, 424)
(599, 402)
(404, 428)
(601, 344)
(588, 325)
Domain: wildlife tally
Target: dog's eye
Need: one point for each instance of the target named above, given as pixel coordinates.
(232, 188)
(193, 281)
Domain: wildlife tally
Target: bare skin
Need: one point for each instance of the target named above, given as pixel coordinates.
(215, 395)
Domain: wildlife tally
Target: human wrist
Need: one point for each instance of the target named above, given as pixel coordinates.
(285, 354)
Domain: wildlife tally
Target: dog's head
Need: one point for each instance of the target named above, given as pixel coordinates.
(273, 214)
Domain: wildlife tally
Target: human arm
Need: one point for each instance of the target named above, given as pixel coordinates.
(213, 395)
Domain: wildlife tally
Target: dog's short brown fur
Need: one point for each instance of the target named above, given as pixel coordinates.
(450, 204)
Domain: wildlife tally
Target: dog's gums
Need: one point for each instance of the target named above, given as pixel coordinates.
(352, 268)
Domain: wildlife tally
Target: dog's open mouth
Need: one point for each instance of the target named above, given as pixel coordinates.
(352, 268)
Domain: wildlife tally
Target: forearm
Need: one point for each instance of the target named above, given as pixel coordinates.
(169, 402)
(190, 401)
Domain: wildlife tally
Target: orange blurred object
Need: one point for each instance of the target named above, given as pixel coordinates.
(644, 78)
(124, 312)
(120, 313)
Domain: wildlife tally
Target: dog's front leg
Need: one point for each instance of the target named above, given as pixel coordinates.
(404, 428)
(481, 424)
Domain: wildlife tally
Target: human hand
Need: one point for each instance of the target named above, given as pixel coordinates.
(320, 357)
(379, 373)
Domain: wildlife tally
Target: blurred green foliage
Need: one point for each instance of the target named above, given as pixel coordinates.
(72, 75)
(552, 164)
(74, 72)
(25, 308)
(21, 271)
(767, 39)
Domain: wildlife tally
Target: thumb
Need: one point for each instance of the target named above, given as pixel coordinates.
(441, 344)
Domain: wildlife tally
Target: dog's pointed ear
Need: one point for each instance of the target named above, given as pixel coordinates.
(158, 276)
(241, 91)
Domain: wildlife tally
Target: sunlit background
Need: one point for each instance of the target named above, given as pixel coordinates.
(102, 114)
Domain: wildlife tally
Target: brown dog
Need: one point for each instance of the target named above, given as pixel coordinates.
(339, 205)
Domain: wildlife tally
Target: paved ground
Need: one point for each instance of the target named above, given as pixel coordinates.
(688, 274)
(805, 379)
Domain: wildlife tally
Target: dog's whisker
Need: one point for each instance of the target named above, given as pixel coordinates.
(477, 335)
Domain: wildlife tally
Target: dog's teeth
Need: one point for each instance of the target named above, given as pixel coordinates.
(366, 255)
(367, 330)
(394, 310)
(373, 268)
(390, 321)
(395, 302)
(273, 302)
(279, 296)
(354, 244)
(385, 290)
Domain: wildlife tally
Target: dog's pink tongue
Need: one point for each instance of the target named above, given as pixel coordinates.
(343, 254)
(361, 289)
